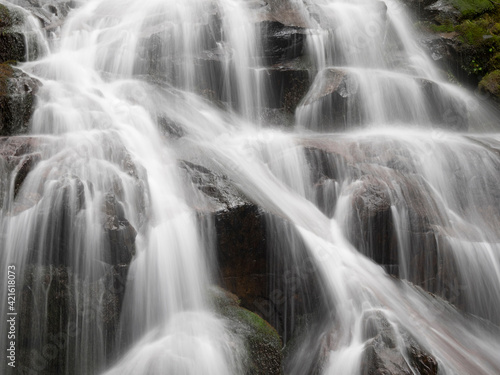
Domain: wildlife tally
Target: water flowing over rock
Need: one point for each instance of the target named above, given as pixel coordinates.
(243, 187)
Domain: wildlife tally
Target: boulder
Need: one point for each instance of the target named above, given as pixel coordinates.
(17, 100)
(121, 234)
(262, 342)
(384, 354)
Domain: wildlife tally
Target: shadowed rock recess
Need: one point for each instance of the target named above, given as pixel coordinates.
(396, 221)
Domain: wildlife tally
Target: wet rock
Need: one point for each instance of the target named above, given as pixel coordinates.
(121, 234)
(333, 100)
(261, 341)
(372, 229)
(383, 352)
(251, 250)
(17, 100)
(281, 42)
(444, 109)
(379, 181)
(170, 128)
(289, 82)
(12, 40)
(242, 253)
(18, 156)
(218, 194)
(58, 309)
(433, 11)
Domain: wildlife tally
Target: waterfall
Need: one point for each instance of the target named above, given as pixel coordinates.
(374, 202)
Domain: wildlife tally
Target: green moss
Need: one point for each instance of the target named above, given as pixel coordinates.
(471, 32)
(470, 8)
(445, 28)
(490, 84)
(261, 327)
(494, 62)
(262, 342)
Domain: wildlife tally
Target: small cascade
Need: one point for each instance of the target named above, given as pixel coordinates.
(371, 72)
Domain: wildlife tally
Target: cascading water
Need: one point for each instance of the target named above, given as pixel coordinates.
(129, 88)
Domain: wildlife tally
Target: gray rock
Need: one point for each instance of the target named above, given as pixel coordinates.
(17, 100)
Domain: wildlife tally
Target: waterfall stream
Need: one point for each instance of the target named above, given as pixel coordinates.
(375, 183)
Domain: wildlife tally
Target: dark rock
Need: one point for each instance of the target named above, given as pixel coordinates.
(251, 250)
(261, 341)
(372, 226)
(17, 100)
(281, 42)
(433, 11)
(121, 234)
(58, 309)
(242, 253)
(289, 83)
(12, 40)
(383, 354)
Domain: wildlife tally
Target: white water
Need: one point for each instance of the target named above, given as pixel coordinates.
(104, 95)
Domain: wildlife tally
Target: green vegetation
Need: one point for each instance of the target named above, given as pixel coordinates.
(491, 83)
(470, 8)
(262, 342)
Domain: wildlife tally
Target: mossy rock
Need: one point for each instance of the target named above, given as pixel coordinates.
(470, 8)
(262, 342)
(490, 84)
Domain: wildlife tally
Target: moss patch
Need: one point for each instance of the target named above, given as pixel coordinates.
(491, 83)
(262, 342)
(472, 7)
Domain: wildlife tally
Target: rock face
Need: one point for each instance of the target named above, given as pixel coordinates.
(379, 181)
(261, 341)
(58, 305)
